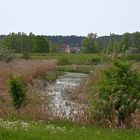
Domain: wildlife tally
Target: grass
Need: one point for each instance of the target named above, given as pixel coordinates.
(79, 62)
(78, 59)
(53, 75)
(65, 131)
(27, 69)
(76, 68)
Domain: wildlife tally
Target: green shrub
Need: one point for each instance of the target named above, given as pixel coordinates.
(133, 57)
(26, 55)
(17, 90)
(63, 61)
(119, 93)
(6, 55)
(95, 61)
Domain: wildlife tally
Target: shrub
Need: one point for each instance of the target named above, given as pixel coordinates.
(95, 61)
(26, 56)
(6, 55)
(17, 90)
(63, 61)
(119, 93)
(133, 57)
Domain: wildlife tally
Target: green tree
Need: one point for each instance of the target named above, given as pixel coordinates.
(6, 55)
(54, 48)
(125, 43)
(136, 40)
(90, 44)
(40, 44)
(113, 44)
(18, 42)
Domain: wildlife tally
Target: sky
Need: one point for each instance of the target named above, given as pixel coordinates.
(69, 17)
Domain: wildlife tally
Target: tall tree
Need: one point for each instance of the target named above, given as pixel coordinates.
(125, 43)
(113, 44)
(136, 40)
(40, 44)
(89, 44)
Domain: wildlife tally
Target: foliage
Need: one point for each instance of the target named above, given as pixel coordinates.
(133, 57)
(125, 43)
(89, 44)
(95, 61)
(63, 61)
(39, 44)
(71, 40)
(136, 41)
(53, 48)
(22, 42)
(18, 42)
(17, 90)
(114, 43)
(26, 55)
(6, 55)
(119, 93)
(113, 46)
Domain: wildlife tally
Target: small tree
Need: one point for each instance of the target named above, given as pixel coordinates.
(17, 90)
(26, 55)
(6, 55)
(119, 92)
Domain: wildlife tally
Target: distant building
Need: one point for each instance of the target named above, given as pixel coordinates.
(75, 49)
(64, 48)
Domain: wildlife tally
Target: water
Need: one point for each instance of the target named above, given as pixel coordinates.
(60, 106)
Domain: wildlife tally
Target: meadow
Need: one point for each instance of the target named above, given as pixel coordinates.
(29, 130)
(78, 59)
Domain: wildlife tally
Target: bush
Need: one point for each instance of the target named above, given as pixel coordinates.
(17, 90)
(6, 55)
(119, 93)
(63, 61)
(95, 61)
(26, 56)
(133, 57)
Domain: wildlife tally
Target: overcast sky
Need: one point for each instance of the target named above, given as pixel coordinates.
(69, 17)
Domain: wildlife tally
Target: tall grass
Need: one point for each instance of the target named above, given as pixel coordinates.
(26, 69)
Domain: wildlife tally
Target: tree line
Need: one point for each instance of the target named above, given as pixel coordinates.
(21, 42)
(126, 43)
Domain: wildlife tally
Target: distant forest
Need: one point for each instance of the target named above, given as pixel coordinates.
(73, 40)
(21, 42)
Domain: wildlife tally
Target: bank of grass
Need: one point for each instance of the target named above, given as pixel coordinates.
(63, 131)
(53, 75)
(75, 68)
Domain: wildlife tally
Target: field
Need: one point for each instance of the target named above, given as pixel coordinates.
(79, 59)
(70, 62)
(20, 130)
(32, 123)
